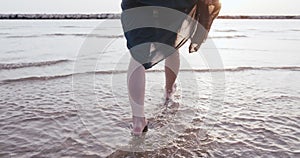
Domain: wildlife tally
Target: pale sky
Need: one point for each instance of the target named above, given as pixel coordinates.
(230, 7)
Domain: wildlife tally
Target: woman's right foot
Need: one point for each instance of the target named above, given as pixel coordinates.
(170, 92)
(140, 125)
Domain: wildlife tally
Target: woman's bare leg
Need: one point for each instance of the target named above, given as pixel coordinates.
(172, 64)
(136, 94)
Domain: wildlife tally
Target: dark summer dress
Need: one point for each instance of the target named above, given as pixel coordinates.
(148, 38)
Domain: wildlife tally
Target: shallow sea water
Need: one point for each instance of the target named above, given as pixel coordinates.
(42, 118)
(49, 110)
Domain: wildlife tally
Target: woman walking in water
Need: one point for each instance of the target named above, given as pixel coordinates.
(150, 45)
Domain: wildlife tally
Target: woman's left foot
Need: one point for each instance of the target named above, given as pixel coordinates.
(140, 125)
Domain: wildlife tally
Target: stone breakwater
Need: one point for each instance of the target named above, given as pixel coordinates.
(60, 16)
(117, 16)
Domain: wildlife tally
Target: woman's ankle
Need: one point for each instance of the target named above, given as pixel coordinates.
(139, 121)
(139, 125)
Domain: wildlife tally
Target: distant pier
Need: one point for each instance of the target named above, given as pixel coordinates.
(118, 16)
(60, 16)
